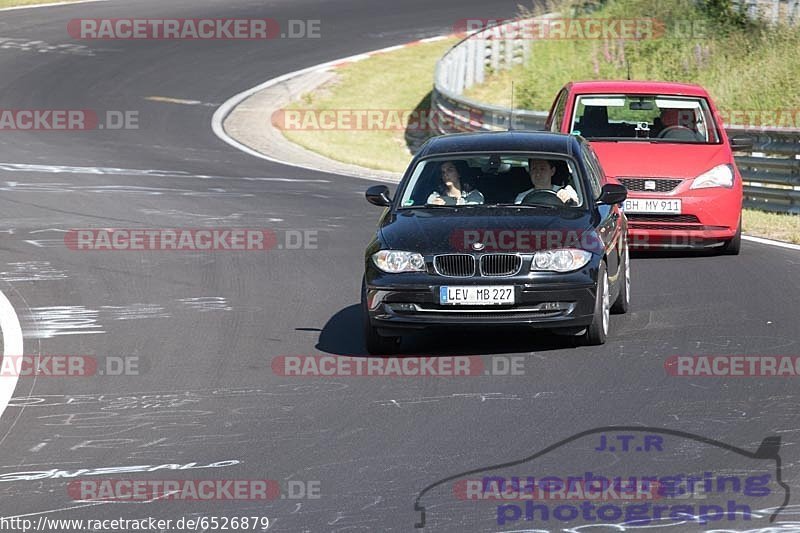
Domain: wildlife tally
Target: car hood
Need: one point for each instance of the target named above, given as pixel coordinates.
(643, 159)
(444, 230)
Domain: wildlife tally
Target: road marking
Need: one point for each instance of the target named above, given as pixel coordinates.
(770, 242)
(38, 447)
(12, 346)
(112, 171)
(390, 49)
(48, 229)
(169, 100)
(51, 4)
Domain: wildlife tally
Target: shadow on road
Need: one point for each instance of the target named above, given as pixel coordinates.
(342, 335)
(672, 254)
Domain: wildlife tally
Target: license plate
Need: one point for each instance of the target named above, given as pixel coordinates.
(479, 295)
(652, 205)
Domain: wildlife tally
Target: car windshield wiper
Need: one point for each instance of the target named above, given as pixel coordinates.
(548, 206)
(427, 206)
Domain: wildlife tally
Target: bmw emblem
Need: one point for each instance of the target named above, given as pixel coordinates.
(478, 246)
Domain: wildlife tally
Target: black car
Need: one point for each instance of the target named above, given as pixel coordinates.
(504, 228)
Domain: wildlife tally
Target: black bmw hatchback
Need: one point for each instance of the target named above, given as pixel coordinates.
(488, 229)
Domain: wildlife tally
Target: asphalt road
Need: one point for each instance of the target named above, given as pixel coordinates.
(206, 327)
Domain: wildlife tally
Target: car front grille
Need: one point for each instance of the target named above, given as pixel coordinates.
(500, 264)
(454, 265)
(445, 314)
(670, 219)
(466, 315)
(674, 227)
(661, 184)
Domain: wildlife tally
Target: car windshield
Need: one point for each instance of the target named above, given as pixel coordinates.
(529, 179)
(652, 118)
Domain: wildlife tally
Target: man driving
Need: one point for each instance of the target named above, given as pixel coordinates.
(541, 172)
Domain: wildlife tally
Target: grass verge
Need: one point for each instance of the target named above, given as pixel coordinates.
(395, 81)
(771, 225)
(744, 66)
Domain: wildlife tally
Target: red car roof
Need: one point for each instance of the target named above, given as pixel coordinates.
(636, 87)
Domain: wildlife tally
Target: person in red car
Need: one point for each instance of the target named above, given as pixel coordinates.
(667, 144)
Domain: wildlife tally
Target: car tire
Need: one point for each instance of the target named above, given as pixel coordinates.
(376, 343)
(623, 301)
(733, 246)
(597, 331)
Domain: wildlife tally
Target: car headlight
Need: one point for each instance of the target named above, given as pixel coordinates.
(719, 176)
(394, 261)
(565, 260)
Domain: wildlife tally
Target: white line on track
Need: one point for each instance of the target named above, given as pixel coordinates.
(51, 4)
(113, 171)
(770, 242)
(12, 346)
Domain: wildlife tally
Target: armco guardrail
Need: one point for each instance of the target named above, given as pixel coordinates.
(771, 172)
(773, 11)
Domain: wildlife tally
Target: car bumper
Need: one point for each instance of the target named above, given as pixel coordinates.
(709, 218)
(418, 307)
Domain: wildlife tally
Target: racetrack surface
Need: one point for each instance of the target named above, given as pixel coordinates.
(206, 326)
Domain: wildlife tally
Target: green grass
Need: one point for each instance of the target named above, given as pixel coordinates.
(399, 80)
(771, 225)
(744, 69)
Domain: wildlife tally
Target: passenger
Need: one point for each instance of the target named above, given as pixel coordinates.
(453, 191)
(541, 172)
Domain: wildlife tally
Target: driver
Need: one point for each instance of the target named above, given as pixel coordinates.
(541, 172)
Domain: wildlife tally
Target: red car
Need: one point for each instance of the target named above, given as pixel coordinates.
(666, 143)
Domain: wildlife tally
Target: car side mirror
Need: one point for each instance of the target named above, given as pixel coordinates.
(612, 193)
(379, 195)
(741, 143)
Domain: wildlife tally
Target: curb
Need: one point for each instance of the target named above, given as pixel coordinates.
(228, 107)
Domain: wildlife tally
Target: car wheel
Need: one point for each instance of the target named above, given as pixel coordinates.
(376, 343)
(733, 246)
(623, 300)
(597, 331)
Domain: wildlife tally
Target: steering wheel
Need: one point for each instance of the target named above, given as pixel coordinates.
(678, 132)
(542, 196)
